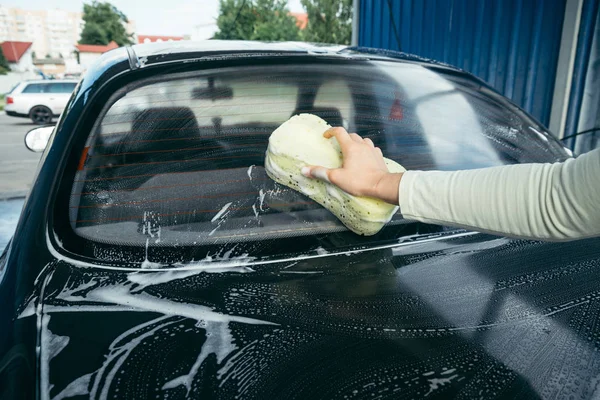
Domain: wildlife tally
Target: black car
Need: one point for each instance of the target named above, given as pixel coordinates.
(155, 259)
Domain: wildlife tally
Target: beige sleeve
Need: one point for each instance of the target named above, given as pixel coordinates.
(554, 202)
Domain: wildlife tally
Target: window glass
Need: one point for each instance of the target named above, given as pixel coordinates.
(61, 87)
(178, 161)
(35, 88)
(336, 92)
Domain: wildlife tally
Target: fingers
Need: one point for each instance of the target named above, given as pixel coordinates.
(378, 150)
(355, 137)
(369, 142)
(340, 134)
(320, 173)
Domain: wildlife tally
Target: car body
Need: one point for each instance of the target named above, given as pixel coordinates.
(154, 258)
(39, 100)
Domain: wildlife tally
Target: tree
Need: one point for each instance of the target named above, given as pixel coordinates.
(33, 55)
(329, 21)
(4, 68)
(48, 55)
(256, 20)
(103, 24)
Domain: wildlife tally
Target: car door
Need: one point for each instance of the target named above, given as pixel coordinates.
(58, 95)
(32, 95)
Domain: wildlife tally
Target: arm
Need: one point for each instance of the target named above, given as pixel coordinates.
(538, 201)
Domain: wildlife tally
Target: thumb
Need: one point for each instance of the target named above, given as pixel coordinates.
(320, 173)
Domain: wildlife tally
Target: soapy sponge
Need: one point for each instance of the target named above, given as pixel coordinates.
(299, 142)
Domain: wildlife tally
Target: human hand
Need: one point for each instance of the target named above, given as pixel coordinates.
(363, 171)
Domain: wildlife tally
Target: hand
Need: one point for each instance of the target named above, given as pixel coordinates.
(363, 171)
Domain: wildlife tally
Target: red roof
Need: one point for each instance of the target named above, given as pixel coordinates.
(13, 51)
(96, 48)
(155, 38)
(301, 19)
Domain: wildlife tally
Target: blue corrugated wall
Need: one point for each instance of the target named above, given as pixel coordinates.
(511, 44)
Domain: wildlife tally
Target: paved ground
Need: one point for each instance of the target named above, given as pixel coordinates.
(17, 164)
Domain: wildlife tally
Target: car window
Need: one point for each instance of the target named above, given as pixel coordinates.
(336, 92)
(35, 88)
(61, 87)
(178, 162)
(13, 88)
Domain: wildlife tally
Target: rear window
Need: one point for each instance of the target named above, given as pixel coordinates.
(177, 162)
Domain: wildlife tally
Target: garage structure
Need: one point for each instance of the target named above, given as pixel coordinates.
(542, 54)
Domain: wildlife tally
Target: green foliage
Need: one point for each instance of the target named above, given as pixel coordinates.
(103, 24)
(267, 20)
(329, 21)
(4, 68)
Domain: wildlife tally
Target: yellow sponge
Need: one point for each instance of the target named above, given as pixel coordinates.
(299, 142)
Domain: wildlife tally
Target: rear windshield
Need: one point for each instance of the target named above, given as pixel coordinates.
(178, 161)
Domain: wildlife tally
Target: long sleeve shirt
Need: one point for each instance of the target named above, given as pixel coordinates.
(555, 202)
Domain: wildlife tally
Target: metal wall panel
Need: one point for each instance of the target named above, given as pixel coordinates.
(583, 113)
(511, 44)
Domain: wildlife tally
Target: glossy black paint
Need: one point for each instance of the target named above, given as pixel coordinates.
(458, 315)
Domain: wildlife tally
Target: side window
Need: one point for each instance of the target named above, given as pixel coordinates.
(35, 88)
(61, 87)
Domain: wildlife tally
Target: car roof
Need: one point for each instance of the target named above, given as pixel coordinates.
(150, 53)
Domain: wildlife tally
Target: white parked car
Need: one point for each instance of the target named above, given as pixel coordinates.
(39, 100)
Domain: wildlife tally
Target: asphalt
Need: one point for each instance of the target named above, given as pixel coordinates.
(17, 164)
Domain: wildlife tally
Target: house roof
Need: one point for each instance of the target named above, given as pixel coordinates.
(157, 38)
(95, 48)
(301, 19)
(13, 51)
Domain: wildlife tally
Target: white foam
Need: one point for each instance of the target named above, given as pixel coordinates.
(146, 264)
(145, 279)
(261, 197)
(50, 346)
(221, 212)
(79, 387)
(219, 342)
(436, 383)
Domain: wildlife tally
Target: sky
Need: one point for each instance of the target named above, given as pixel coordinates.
(152, 17)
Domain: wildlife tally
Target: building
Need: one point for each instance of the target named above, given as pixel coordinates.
(50, 66)
(18, 55)
(301, 19)
(52, 32)
(158, 39)
(87, 54)
(543, 55)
